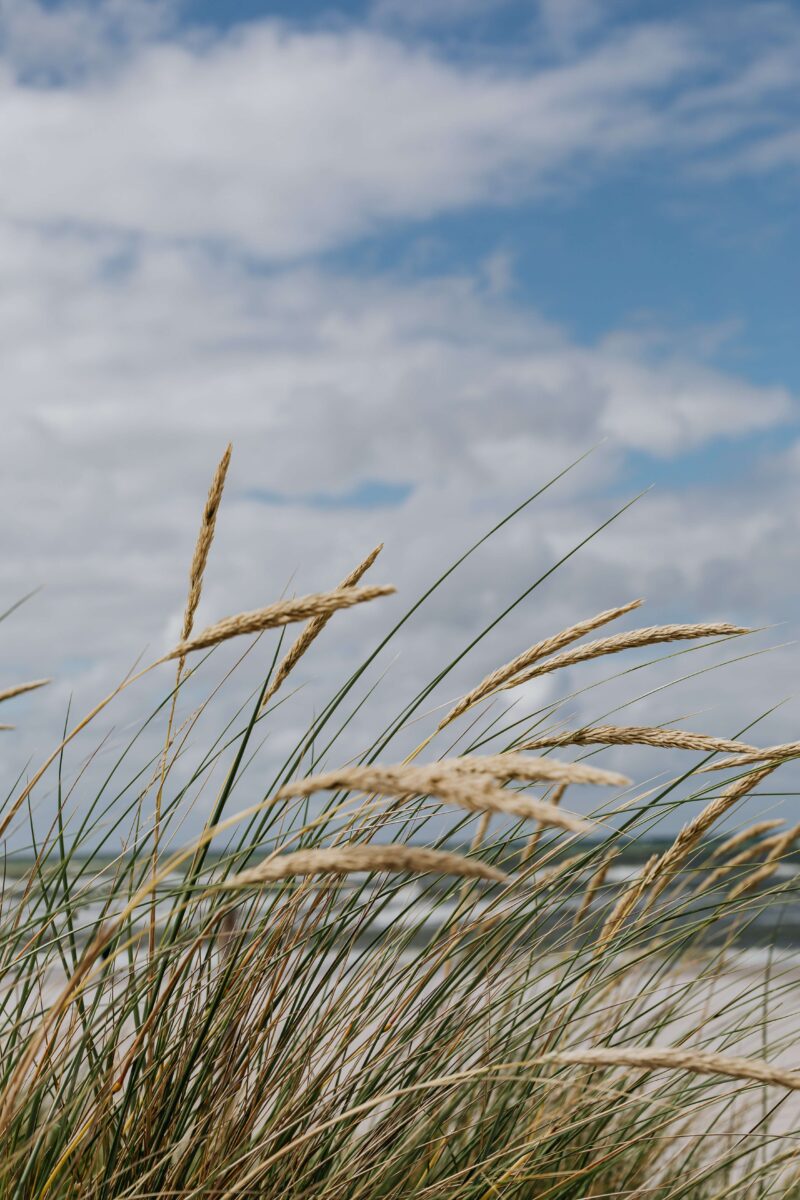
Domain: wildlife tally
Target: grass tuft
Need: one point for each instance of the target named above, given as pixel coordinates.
(395, 980)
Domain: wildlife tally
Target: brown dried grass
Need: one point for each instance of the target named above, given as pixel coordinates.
(314, 628)
(773, 753)
(637, 735)
(542, 649)
(283, 612)
(203, 545)
(651, 635)
(343, 860)
(675, 856)
(19, 689)
(698, 1062)
(469, 782)
(782, 845)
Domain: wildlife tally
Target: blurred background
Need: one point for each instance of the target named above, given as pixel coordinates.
(413, 258)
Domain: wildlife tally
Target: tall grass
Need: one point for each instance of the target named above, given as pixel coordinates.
(345, 989)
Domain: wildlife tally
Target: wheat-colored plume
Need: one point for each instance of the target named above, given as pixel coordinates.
(342, 860)
(651, 635)
(675, 856)
(554, 797)
(196, 572)
(478, 794)
(204, 539)
(738, 860)
(284, 612)
(782, 845)
(542, 649)
(635, 735)
(19, 688)
(314, 628)
(745, 835)
(754, 755)
(593, 887)
(739, 839)
(475, 793)
(626, 903)
(511, 765)
(699, 1062)
(470, 782)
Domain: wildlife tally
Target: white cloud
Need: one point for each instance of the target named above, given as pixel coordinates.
(125, 372)
(60, 43)
(137, 337)
(222, 140)
(287, 141)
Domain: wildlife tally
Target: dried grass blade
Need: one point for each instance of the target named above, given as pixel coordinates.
(781, 846)
(699, 1062)
(626, 903)
(469, 782)
(542, 649)
(754, 755)
(738, 860)
(745, 835)
(484, 796)
(314, 628)
(511, 765)
(342, 860)
(284, 612)
(19, 689)
(650, 635)
(675, 856)
(638, 735)
(404, 779)
(203, 544)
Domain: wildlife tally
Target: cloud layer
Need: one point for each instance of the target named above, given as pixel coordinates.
(167, 196)
(285, 142)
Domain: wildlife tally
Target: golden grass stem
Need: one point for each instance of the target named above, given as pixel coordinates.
(471, 783)
(675, 856)
(633, 735)
(697, 1062)
(196, 572)
(343, 860)
(745, 835)
(314, 628)
(555, 797)
(738, 860)
(782, 845)
(626, 904)
(498, 677)
(650, 635)
(202, 547)
(284, 612)
(18, 689)
(773, 753)
(595, 883)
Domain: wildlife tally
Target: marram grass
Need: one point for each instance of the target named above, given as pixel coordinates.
(344, 990)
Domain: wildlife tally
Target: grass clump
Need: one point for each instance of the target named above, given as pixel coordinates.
(397, 979)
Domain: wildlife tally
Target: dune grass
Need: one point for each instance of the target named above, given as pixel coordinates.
(395, 979)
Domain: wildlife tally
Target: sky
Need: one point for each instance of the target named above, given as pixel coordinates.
(413, 258)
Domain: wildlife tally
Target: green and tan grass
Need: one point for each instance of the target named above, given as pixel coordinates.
(343, 990)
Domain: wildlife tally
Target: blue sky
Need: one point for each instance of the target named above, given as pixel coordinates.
(678, 251)
(412, 257)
